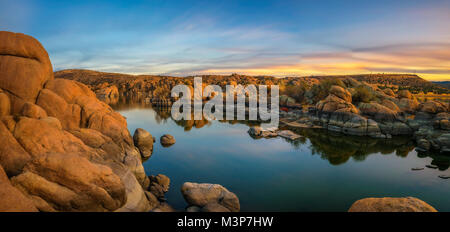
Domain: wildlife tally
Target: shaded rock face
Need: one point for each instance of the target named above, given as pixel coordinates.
(387, 204)
(210, 197)
(143, 140)
(24, 68)
(433, 107)
(61, 147)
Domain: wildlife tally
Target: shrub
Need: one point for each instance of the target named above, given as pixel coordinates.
(322, 90)
(295, 91)
(363, 94)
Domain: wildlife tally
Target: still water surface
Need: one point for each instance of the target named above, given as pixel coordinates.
(321, 172)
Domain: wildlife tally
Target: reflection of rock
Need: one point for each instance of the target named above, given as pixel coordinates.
(143, 140)
(11, 199)
(210, 197)
(167, 140)
(387, 204)
(288, 134)
(338, 149)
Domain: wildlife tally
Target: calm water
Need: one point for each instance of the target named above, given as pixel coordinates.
(322, 172)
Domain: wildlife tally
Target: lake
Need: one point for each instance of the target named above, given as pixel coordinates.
(320, 172)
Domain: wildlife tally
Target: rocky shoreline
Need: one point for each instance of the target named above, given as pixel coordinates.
(63, 149)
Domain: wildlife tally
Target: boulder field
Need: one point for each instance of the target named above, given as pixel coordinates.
(388, 114)
(62, 149)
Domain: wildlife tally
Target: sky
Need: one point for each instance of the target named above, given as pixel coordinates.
(280, 38)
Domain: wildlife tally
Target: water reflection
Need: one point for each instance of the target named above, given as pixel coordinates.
(336, 148)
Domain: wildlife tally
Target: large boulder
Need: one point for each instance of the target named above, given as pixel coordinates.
(377, 111)
(405, 94)
(143, 140)
(389, 92)
(333, 103)
(12, 156)
(61, 146)
(206, 196)
(24, 68)
(433, 107)
(69, 182)
(388, 204)
(39, 137)
(68, 114)
(341, 93)
(11, 199)
(408, 105)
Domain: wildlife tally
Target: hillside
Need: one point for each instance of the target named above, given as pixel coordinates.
(413, 83)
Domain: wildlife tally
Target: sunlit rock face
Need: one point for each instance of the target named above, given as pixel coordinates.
(24, 68)
(389, 204)
(61, 148)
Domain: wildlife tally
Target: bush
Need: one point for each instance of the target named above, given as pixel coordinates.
(322, 90)
(363, 94)
(295, 91)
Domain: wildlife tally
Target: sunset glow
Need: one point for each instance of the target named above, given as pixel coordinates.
(293, 38)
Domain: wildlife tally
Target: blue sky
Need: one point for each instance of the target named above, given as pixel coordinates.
(282, 38)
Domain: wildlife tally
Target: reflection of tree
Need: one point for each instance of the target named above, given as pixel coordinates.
(162, 114)
(338, 148)
(441, 161)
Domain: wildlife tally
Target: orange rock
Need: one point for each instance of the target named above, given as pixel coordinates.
(24, 67)
(68, 114)
(33, 111)
(11, 199)
(388, 204)
(12, 156)
(69, 182)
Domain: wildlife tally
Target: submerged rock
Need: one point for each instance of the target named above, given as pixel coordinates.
(210, 197)
(388, 204)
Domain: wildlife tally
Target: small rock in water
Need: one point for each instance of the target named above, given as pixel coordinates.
(167, 140)
(417, 169)
(431, 166)
(288, 135)
(444, 177)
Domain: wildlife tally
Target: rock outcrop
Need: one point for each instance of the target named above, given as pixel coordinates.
(143, 140)
(167, 140)
(388, 204)
(62, 149)
(210, 198)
